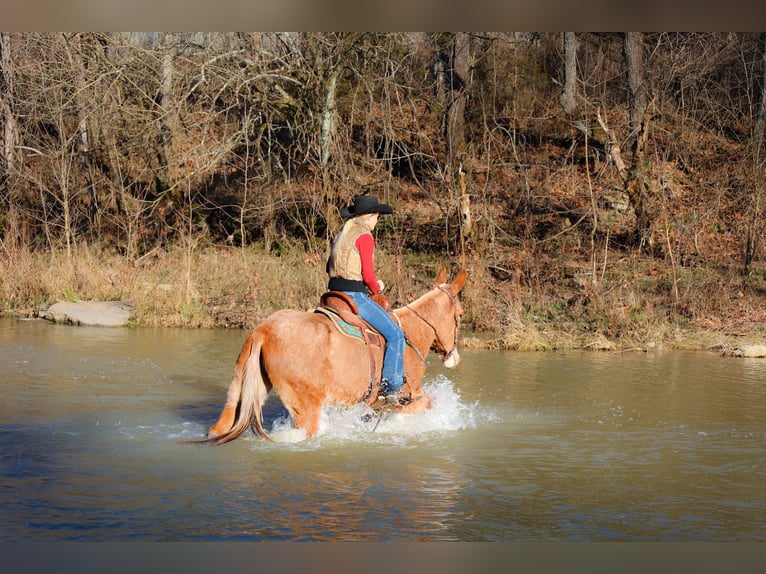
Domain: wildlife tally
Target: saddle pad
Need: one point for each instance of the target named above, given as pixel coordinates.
(347, 328)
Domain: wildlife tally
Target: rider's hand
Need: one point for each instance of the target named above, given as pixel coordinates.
(381, 285)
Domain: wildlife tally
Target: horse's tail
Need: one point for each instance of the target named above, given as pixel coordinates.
(247, 393)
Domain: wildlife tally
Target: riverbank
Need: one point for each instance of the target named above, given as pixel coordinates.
(518, 304)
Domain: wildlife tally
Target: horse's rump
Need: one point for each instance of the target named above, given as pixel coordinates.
(304, 354)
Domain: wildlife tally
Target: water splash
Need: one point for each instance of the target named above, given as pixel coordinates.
(360, 423)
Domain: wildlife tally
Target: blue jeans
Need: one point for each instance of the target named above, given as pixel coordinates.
(393, 360)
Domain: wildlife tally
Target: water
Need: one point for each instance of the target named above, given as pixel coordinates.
(661, 446)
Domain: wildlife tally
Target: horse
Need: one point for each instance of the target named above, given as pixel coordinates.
(309, 362)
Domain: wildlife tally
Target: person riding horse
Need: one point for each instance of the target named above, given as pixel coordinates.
(351, 269)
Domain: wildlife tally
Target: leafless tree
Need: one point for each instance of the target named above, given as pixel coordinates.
(138, 140)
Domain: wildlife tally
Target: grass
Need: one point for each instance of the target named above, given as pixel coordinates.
(212, 287)
(226, 287)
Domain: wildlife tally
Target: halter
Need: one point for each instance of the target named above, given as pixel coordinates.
(444, 353)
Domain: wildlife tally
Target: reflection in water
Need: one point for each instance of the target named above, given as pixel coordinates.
(538, 446)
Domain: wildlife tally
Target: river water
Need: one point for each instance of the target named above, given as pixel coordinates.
(573, 446)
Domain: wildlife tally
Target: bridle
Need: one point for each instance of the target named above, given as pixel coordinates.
(443, 354)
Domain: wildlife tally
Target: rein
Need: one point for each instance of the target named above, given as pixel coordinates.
(444, 354)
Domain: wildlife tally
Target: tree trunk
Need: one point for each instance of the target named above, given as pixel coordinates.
(74, 53)
(635, 184)
(760, 124)
(456, 130)
(167, 111)
(327, 129)
(755, 225)
(634, 58)
(569, 95)
(460, 71)
(10, 133)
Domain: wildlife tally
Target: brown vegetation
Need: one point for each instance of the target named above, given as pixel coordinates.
(200, 177)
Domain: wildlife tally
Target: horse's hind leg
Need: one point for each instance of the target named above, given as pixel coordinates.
(229, 413)
(308, 421)
(233, 396)
(224, 422)
(304, 409)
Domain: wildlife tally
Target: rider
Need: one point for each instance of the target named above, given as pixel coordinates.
(351, 268)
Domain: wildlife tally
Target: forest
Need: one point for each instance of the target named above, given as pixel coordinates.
(604, 190)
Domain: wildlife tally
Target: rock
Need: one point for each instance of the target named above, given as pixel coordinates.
(100, 313)
(752, 351)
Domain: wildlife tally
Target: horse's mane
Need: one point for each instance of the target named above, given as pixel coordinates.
(417, 302)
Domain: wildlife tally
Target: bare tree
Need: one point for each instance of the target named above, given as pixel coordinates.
(632, 170)
(167, 136)
(452, 69)
(82, 102)
(452, 64)
(755, 224)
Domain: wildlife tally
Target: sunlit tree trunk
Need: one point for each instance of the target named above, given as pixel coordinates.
(569, 95)
(456, 131)
(10, 134)
(167, 111)
(327, 127)
(10, 130)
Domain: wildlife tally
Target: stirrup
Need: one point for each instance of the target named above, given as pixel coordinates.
(396, 399)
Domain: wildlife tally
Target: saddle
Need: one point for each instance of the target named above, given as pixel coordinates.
(344, 314)
(341, 301)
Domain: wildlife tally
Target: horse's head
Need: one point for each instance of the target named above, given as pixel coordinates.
(447, 324)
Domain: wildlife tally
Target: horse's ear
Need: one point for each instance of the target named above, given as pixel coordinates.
(442, 278)
(459, 282)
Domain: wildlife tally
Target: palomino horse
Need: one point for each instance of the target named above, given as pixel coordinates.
(309, 362)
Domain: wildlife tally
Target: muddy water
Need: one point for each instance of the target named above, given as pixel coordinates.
(661, 446)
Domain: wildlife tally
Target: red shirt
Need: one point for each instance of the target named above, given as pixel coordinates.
(365, 244)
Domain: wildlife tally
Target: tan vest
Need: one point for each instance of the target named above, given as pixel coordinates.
(345, 261)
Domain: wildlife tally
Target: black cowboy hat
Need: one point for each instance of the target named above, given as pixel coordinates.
(365, 204)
